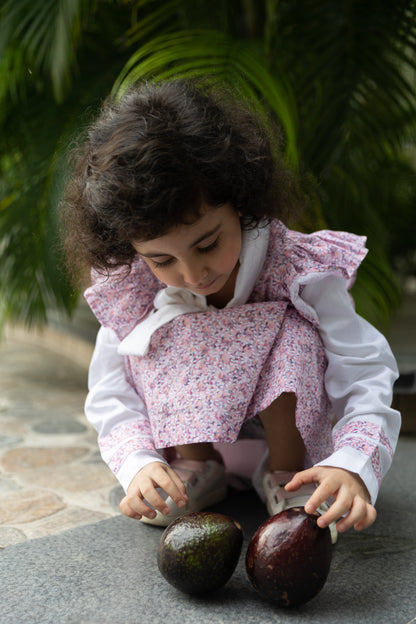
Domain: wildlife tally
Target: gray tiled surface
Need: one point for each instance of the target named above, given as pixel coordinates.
(106, 572)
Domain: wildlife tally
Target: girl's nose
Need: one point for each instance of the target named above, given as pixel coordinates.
(194, 275)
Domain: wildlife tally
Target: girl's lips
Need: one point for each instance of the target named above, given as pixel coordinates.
(206, 286)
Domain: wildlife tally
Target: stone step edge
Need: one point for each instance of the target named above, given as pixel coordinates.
(63, 343)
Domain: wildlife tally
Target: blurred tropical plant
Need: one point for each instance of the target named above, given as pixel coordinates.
(338, 76)
(57, 62)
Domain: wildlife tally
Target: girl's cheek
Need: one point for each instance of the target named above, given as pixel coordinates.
(167, 277)
(161, 274)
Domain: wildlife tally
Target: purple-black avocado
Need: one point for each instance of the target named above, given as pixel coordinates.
(199, 551)
(288, 557)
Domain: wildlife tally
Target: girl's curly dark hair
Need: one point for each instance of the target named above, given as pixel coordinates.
(154, 158)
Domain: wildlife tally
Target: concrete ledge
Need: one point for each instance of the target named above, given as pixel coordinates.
(66, 344)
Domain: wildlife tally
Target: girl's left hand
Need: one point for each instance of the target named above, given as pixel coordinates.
(352, 499)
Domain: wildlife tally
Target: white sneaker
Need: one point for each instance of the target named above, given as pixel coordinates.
(277, 498)
(205, 486)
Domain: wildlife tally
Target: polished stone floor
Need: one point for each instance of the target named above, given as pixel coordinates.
(51, 475)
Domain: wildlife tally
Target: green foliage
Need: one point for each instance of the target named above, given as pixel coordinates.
(42, 37)
(40, 119)
(338, 76)
(356, 100)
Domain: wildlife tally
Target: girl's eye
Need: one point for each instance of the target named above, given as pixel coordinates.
(203, 250)
(210, 247)
(162, 264)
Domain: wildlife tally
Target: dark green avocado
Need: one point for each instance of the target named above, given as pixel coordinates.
(289, 557)
(199, 551)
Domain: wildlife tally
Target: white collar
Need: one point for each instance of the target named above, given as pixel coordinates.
(171, 302)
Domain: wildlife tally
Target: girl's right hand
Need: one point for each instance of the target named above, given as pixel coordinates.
(143, 486)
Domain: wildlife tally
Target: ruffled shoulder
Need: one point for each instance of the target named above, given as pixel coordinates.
(120, 302)
(324, 252)
(300, 259)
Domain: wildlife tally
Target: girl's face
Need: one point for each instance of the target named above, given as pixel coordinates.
(202, 256)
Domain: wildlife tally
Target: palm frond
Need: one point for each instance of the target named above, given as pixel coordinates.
(47, 34)
(146, 23)
(353, 73)
(36, 133)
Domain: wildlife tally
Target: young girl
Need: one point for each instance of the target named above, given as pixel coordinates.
(219, 324)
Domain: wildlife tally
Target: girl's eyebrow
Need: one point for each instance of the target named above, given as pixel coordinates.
(199, 240)
(206, 235)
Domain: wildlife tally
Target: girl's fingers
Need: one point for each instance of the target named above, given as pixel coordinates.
(355, 514)
(141, 504)
(321, 494)
(311, 475)
(169, 481)
(351, 507)
(361, 516)
(178, 492)
(348, 513)
(336, 511)
(143, 498)
(299, 479)
(152, 496)
(371, 515)
(128, 510)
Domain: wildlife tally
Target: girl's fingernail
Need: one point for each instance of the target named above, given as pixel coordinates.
(309, 508)
(151, 515)
(181, 503)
